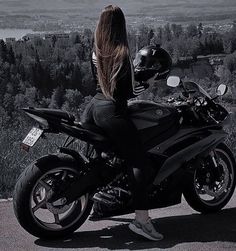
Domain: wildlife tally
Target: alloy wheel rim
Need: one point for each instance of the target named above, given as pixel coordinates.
(216, 195)
(56, 216)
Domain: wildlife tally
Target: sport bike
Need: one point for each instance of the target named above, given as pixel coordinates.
(184, 136)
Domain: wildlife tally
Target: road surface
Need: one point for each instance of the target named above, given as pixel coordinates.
(183, 228)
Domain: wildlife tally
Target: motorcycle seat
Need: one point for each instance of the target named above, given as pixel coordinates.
(61, 114)
(95, 133)
(93, 128)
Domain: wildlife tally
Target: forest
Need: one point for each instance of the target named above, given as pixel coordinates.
(56, 73)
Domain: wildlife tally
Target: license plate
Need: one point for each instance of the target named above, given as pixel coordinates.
(32, 137)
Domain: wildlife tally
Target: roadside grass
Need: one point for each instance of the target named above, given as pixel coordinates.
(7, 181)
(15, 160)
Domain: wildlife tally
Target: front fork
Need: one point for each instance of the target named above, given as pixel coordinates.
(214, 159)
(215, 164)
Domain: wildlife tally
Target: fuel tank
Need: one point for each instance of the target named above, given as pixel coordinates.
(155, 121)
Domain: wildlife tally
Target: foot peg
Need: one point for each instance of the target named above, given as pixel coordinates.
(112, 196)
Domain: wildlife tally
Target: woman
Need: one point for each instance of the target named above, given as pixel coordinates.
(114, 74)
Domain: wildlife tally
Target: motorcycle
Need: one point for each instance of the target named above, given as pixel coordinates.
(185, 136)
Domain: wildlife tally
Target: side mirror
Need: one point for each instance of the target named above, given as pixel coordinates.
(221, 90)
(173, 81)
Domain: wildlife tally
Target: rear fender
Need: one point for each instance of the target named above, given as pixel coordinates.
(94, 172)
(66, 157)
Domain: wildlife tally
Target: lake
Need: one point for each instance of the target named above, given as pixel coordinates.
(17, 33)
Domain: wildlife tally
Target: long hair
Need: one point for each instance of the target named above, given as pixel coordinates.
(111, 48)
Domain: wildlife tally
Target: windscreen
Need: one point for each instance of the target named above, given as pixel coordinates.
(194, 86)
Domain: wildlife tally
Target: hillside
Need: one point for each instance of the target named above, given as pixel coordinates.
(87, 11)
(132, 7)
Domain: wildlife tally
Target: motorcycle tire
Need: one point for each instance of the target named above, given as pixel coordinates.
(204, 200)
(37, 216)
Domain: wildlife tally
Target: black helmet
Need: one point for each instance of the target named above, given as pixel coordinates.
(152, 61)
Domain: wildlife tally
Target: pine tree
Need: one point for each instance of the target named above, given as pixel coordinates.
(57, 98)
(3, 51)
(11, 56)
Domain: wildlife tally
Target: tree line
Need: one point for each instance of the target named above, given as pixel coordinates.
(53, 73)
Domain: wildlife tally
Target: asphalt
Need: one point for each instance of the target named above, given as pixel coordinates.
(183, 228)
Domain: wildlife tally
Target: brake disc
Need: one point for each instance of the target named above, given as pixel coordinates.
(220, 189)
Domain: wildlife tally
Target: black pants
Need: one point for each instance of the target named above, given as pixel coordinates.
(113, 119)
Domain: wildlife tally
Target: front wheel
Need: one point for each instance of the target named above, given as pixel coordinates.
(41, 218)
(209, 188)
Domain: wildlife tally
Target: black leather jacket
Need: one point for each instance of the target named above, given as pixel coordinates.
(126, 87)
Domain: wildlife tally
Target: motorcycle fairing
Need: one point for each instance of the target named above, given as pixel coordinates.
(52, 115)
(184, 146)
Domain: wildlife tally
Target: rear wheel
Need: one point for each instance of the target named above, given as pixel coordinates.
(41, 218)
(209, 188)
